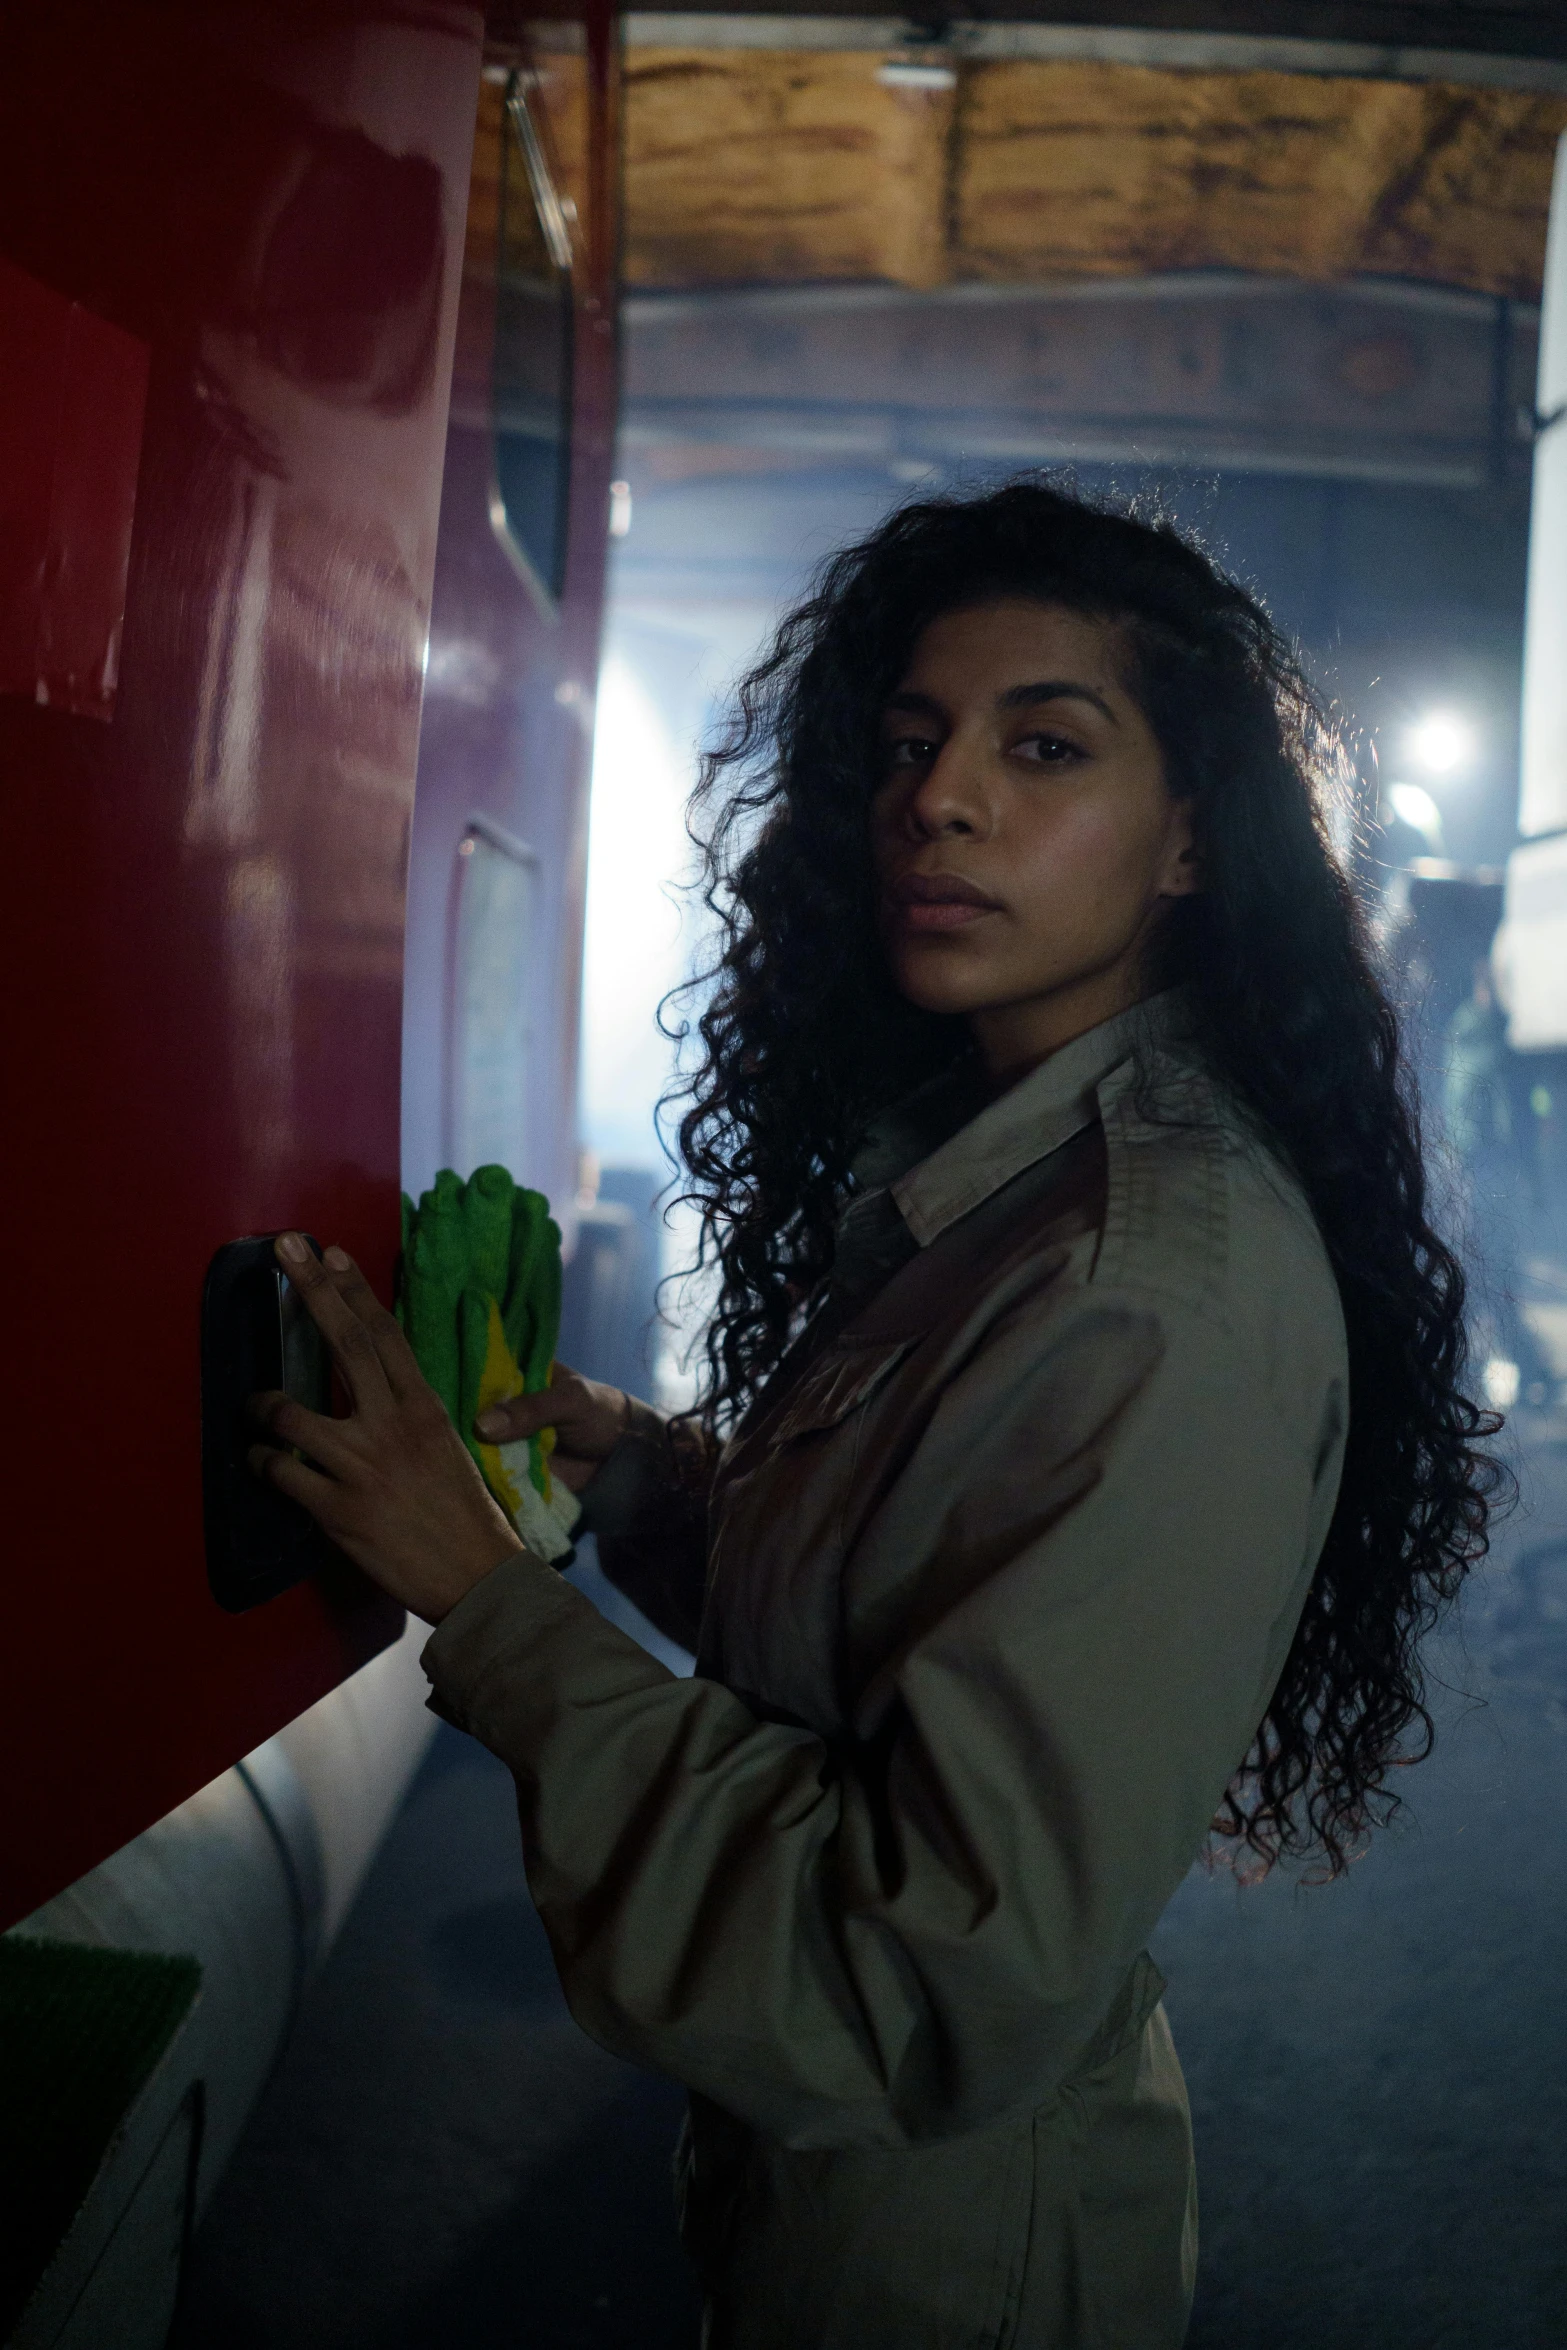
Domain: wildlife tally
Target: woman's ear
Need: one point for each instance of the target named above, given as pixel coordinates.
(1180, 876)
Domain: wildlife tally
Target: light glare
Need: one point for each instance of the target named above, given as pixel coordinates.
(905, 74)
(1417, 807)
(1440, 743)
(635, 948)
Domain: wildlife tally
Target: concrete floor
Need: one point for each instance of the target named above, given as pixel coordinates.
(1378, 2071)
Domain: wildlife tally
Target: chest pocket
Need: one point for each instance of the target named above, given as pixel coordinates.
(782, 1503)
(837, 1386)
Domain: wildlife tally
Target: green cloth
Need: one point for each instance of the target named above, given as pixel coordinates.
(81, 2030)
(468, 1247)
(434, 1271)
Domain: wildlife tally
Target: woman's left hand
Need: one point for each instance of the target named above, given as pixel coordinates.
(393, 1484)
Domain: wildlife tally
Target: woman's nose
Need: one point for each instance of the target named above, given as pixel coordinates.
(950, 797)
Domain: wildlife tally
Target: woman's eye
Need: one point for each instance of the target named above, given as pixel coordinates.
(907, 751)
(1048, 750)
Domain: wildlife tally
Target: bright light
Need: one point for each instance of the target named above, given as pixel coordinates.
(1441, 743)
(905, 74)
(1499, 1383)
(635, 946)
(1417, 807)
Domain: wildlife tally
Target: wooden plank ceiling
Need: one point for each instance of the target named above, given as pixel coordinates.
(765, 167)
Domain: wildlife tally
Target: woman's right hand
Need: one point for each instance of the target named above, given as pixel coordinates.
(589, 1420)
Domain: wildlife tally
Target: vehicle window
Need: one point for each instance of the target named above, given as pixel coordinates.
(532, 368)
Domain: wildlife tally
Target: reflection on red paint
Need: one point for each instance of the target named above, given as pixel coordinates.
(73, 395)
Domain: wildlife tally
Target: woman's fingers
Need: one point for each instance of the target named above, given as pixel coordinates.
(295, 1426)
(353, 1348)
(393, 1483)
(398, 1359)
(523, 1415)
(298, 1480)
(588, 1418)
(398, 1492)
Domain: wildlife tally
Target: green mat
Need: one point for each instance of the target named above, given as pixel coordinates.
(80, 2032)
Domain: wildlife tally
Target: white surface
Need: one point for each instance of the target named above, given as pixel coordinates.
(1543, 797)
(1530, 954)
(356, 1753)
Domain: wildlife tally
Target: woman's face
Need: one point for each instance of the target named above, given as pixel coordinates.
(1025, 843)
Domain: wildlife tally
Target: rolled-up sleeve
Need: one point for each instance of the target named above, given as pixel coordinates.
(1104, 1537)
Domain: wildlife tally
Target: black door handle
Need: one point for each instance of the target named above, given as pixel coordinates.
(255, 1334)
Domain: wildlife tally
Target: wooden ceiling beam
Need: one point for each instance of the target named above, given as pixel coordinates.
(756, 166)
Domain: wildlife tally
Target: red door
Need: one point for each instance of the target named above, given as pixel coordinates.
(232, 243)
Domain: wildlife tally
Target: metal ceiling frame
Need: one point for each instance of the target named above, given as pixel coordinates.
(1190, 52)
(877, 425)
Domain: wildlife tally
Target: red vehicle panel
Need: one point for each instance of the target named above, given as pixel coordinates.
(209, 806)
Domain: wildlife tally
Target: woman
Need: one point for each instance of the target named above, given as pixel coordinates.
(1085, 1449)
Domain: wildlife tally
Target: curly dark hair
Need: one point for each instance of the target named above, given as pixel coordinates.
(804, 1039)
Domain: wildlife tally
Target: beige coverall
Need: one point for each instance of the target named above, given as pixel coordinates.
(996, 1582)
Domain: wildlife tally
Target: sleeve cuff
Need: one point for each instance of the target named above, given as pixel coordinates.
(518, 1645)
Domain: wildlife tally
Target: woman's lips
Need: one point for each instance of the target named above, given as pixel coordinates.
(938, 901)
(942, 914)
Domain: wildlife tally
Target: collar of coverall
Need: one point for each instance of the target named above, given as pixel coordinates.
(934, 1186)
